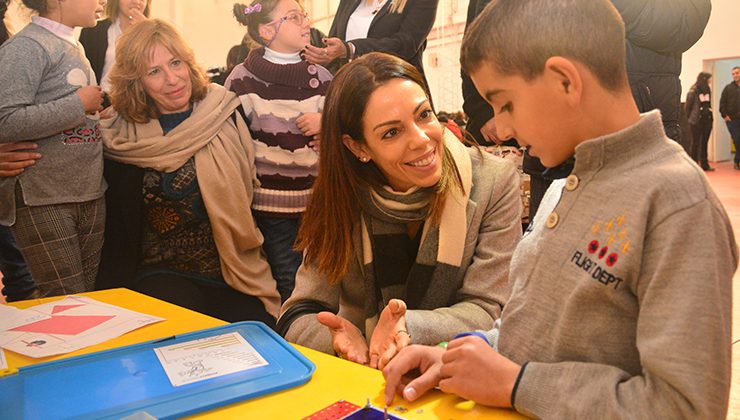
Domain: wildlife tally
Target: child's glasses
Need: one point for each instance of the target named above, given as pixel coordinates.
(295, 17)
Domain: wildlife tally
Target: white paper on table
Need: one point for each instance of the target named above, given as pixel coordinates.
(11, 317)
(3, 361)
(70, 324)
(208, 358)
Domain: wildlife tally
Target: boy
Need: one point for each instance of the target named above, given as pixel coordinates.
(622, 288)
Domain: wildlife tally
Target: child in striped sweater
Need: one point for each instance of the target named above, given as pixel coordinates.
(282, 96)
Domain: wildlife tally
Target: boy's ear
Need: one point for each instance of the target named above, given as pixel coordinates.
(354, 146)
(567, 76)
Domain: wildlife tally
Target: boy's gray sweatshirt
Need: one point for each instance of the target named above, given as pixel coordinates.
(622, 292)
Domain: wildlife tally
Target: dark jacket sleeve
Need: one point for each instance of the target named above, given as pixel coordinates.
(475, 107)
(408, 37)
(665, 26)
(119, 260)
(95, 42)
(724, 102)
(692, 107)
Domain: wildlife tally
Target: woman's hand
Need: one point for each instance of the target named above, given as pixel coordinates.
(473, 370)
(309, 123)
(14, 157)
(390, 335)
(334, 49)
(425, 360)
(348, 341)
(490, 133)
(315, 144)
(135, 16)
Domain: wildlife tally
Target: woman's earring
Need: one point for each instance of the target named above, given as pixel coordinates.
(364, 159)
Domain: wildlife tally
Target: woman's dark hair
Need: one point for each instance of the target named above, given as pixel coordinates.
(4, 35)
(333, 208)
(702, 82)
(37, 5)
(255, 18)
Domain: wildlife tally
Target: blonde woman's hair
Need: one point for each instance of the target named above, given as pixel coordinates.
(397, 6)
(133, 51)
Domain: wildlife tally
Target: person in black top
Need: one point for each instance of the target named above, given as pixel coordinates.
(699, 114)
(729, 108)
(100, 41)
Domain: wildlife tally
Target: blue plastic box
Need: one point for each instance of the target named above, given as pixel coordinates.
(128, 380)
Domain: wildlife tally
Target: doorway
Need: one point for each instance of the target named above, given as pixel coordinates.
(720, 146)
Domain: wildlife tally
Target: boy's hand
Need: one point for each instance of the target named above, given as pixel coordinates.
(475, 371)
(14, 157)
(348, 341)
(309, 123)
(390, 335)
(728, 119)
(92, 98)
(422, 359)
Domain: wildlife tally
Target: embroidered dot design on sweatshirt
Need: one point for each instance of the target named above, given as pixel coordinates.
(611, 259)
(593, 246)
(603, 252)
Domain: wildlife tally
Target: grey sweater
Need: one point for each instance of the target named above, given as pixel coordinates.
(622, 303)
(480, 289)
(40, 75)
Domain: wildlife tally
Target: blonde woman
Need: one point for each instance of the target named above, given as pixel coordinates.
(180, 169)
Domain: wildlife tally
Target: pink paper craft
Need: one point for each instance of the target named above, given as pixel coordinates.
(62, 324)
(62, 308)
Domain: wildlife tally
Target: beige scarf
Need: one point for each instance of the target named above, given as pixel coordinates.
(224, 163)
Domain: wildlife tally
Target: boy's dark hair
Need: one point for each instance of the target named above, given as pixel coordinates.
(517, 37)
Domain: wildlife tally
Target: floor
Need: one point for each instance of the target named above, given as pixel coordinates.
(726, 183)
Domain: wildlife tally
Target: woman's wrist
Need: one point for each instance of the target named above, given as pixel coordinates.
(349, 50)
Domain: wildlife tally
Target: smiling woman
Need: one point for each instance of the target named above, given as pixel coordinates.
(402, 216)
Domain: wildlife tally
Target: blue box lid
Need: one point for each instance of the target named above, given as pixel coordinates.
(131, 381)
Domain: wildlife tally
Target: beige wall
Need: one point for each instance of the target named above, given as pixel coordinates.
(207, 25)
(721, 39)
(210, 28)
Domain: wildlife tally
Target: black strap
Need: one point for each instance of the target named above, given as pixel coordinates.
(240, 110)
(297, 311)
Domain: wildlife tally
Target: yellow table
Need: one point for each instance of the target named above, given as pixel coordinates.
(335, 379)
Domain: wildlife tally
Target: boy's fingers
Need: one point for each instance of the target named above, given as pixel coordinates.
(419, 386)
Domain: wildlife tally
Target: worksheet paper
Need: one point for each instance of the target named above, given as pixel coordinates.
(11, 317)
(208, 358)
(70, 324)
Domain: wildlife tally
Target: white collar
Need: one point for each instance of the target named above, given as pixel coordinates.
(281, 58)
(62, 31)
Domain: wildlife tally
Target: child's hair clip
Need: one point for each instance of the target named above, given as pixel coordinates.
(256, 8)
